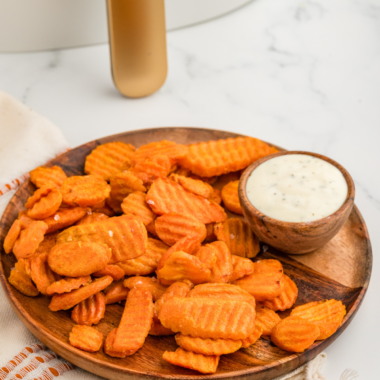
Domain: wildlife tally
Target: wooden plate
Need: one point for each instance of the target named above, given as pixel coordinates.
(341, 270)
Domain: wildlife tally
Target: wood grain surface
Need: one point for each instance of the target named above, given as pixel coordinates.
(339, 270)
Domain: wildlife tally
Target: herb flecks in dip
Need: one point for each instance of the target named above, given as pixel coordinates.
(297, 188)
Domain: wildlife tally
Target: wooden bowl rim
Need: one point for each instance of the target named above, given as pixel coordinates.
(346, 206)
(43, 334)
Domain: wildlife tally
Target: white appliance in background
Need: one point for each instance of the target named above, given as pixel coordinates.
(30, 25)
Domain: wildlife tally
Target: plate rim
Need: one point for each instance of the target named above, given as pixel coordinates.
(283, 365)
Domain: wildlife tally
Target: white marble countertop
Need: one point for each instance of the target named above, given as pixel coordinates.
(301, 74)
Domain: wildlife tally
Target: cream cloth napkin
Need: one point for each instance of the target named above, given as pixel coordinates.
(28, 140)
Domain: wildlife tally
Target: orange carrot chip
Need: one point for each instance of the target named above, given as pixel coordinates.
(207, 346)
(21, 281)
(146, 283)
(44, 203)
(294, 334)
(195, 186)
(123, 184)
(208, 318)
(126, 236)
(135, 323)
(265, 282)
(116, 292)
(151, 168)
(167, 196)
(78, 259)
(188, 359)
(253, 338)
(287, 297)
(110, 270)
(230, 197)
(266, 319)
(180, 266)
(41, 273)
(12, 236)
(327, 315)
(223, 292)
(84, 191)
(222, 270)
(189, 244)
(66, 301)
(108, 159)
(29, 239)
(165, 148)
(213, 158)
(241, 267)
(146, 263)
(90, 311)
(67, 284)
(238, 236)
(177, 289)
(172, 227)
(135, 204)
(53, 176)
(86, 338)
(216, 196)
(63, 218)
(92, 217)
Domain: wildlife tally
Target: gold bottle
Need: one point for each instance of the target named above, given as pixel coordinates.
(137, 38)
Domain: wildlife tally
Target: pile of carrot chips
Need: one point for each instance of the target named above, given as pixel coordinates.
(159, 230)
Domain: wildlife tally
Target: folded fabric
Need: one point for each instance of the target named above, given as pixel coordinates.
(28, 140)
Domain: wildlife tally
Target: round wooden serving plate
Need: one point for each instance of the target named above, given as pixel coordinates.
(341, 270)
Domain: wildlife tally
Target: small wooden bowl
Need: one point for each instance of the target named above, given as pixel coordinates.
(289, 237)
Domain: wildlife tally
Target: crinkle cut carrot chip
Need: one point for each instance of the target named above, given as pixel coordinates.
(223, 292)
(241, 267)
(267, 319)
(230, 197)
(66, 285)
(265, 282)
(78, 259)
(189, 244)
(110, 270)
(44, 203)
(53, 176)
(92, 217)
(238, 236)
(207, 346)
(134, 325)
(166, 148)
(287, 297)
(84, 191)
(90, 311)
(146, 263)
(167, 196)
(188, 359)
(66, 301)
(327, 315)
(127, 237)
(29, 240)
(294, 334)
(172, 227)
(146, 283)
(208, 318)
(213, 158)
(253, 338)
(152, 168)
(195, 186)
(180, 266)
(116, 292)
(41, 273)
(135, 204)
(86, 338)
(63, 218)
(108, 159)
(21, 281)
(12, 236)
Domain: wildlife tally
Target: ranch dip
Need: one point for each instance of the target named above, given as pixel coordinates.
(296, 188)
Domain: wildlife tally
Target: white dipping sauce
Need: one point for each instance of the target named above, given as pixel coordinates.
(296, 188)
